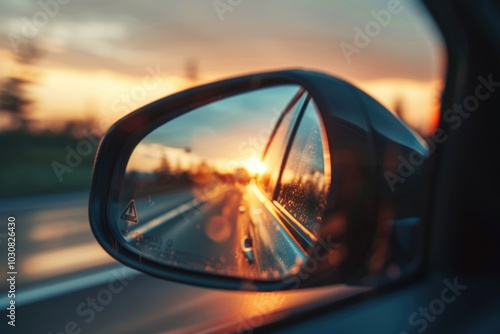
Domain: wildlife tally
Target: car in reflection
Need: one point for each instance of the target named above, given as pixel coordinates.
(247, 248)
(288, 196)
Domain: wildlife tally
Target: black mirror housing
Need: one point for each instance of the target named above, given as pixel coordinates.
(365, 141)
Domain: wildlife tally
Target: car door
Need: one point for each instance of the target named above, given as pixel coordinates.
(284, 228)
(271, 257)
(300, 196)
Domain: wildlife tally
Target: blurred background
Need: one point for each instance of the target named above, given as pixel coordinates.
(70, 68)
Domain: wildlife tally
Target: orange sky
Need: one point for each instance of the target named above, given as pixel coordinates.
(93, 56)
(96, 95)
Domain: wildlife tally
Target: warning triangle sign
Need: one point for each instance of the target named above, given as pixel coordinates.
(130, 213)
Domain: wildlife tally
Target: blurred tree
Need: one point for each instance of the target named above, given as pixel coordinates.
(164, 172)
(14, 100)
(164, 165)
(75, 128)
(191, 70)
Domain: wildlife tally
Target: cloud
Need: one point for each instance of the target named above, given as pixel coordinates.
(105, 39)
(261, 34)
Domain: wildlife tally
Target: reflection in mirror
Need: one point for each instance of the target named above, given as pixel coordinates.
(212, 190)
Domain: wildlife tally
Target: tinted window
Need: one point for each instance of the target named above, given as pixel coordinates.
(306, 179)
(274, 155)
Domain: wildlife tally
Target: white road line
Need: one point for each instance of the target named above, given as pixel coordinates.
(161, 219)
(54, 289)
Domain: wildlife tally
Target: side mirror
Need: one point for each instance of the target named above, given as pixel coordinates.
(263, 182)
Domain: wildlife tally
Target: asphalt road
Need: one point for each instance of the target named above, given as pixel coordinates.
(67, 284)
(200, 233)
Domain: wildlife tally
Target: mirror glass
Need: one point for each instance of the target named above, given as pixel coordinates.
(236, 187)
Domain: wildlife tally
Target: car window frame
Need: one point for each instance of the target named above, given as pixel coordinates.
(305, 238)
(294, 103)
(304, 232)
(324, 144)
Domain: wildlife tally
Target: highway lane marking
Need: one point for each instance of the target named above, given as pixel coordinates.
(64, 260)
(54, 289)
(163, 218)
(57, 230)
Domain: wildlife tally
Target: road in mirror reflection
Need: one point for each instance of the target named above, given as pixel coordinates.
(191, 195)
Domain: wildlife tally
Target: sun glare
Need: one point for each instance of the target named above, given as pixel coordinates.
(254, 166)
